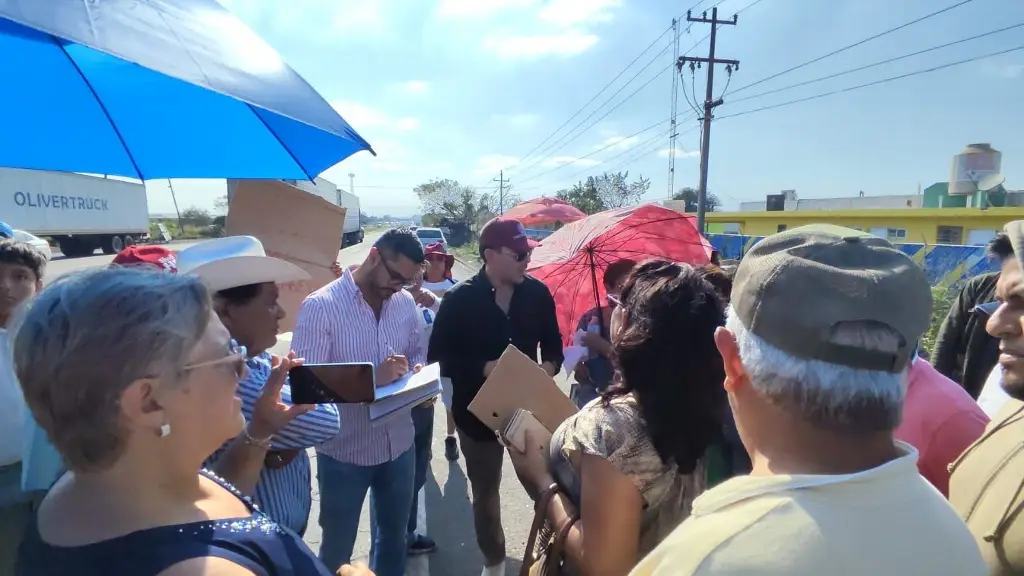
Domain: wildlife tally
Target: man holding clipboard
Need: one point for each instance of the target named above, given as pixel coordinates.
(477, 320)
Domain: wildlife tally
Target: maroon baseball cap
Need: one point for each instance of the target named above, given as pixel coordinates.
(156, 256)
(506, 233)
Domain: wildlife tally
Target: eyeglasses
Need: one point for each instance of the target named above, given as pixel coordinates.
(988, 308)
(436, 257)
(519, 256)
(396, 277)
(236, 357)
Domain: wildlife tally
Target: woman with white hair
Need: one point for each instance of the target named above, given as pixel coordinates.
(134, 379)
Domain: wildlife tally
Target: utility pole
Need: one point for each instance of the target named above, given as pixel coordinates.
(501, 191)
(709, 102)
(673, 114)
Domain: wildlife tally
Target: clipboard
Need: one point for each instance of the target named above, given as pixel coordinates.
(518, 383)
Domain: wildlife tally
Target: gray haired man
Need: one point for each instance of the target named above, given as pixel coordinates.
(818, 340)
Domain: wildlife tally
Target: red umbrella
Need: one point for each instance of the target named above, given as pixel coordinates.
(572, 261)
(544, 211)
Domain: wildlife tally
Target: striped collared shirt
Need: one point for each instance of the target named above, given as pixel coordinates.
(335, 324)
(284, 493)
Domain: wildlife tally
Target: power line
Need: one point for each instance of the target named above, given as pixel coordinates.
(653, 139)
(589, 102)
(875, 64)
(601, 149)
(875, 83)
(854, 45)
(632, 94)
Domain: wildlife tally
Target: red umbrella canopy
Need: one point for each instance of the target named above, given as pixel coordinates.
(544, 211)
(572, 261)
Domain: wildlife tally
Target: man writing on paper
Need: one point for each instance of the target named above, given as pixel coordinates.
(477, 320)
(367, 316)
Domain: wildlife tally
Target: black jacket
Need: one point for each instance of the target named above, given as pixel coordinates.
(964, 351)
(471, 330)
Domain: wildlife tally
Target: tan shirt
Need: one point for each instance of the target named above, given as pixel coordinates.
(987, 490)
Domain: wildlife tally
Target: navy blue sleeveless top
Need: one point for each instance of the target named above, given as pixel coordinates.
(254, 542)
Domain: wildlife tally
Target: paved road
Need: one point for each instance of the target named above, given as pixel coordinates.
(447, 510)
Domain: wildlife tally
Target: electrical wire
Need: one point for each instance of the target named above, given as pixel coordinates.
(854, 45)
(876, 64)
(603, 116)
(594, 97)
(562, 142)
(601, 149)
(874, 83)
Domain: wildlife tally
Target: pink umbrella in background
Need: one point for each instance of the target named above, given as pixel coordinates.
(572, 261)
(544, 211)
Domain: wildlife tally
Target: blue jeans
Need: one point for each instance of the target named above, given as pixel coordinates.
(423, 423)
(342, 492)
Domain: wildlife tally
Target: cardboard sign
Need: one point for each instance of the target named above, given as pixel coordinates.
(292, 225)
(517, 382)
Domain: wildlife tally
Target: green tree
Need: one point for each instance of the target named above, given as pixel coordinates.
(584, 196)
(195, 216)
(449, 200)
(689, 197)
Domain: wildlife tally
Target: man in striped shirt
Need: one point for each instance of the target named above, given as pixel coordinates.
(367, 316)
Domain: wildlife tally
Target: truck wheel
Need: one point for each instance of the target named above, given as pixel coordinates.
(129, 241)
(113, 245)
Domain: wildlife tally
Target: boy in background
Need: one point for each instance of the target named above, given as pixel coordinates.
(21, 277)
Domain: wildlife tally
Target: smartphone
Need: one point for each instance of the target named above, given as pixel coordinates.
(332, 383)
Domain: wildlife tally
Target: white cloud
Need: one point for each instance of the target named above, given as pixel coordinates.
(361, 116)
(572, 12)
(569, 43)
(618, 143)
(492, 163)
(479, 8)
(680, 153)
(354, 17)
(414, 87)
(566, 160)
(517, 121)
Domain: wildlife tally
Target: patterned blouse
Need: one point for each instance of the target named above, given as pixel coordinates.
(618, 434)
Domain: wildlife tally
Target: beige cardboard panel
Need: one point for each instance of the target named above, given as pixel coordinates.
(292, 225)
(518, 382)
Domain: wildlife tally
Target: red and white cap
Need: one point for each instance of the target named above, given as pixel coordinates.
(156, 256)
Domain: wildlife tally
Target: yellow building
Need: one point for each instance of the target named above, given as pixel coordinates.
(970, 226)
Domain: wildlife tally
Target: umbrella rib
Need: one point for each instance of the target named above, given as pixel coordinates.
(103, 107)
(278, 138)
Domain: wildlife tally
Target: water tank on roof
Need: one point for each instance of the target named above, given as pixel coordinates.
(975, 162)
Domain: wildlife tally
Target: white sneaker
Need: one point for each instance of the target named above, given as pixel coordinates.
(496, 570)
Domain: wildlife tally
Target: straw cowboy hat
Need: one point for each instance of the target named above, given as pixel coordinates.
(234, 261)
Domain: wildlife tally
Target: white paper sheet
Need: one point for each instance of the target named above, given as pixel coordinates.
(407, 391)
(572, 356)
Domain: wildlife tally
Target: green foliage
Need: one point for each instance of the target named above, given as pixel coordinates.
(606, 191)
(942, 300)
(689, 197)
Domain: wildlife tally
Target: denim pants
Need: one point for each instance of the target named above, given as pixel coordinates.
(423, 423)
(343, 489)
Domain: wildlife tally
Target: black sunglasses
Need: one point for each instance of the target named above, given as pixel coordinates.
(397, 278)
(988, 308)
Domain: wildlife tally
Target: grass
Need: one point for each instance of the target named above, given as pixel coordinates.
(189, 232)
(942, 300)
(468, 252)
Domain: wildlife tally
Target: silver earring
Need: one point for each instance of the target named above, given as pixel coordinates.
(165, 430)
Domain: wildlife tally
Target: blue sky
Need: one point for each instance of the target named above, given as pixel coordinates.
(463, 88)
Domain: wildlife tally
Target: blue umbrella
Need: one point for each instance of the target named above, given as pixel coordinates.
(156, 89)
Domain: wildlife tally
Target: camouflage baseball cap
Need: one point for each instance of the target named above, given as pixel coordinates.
(795, 287)
(1015, 231)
